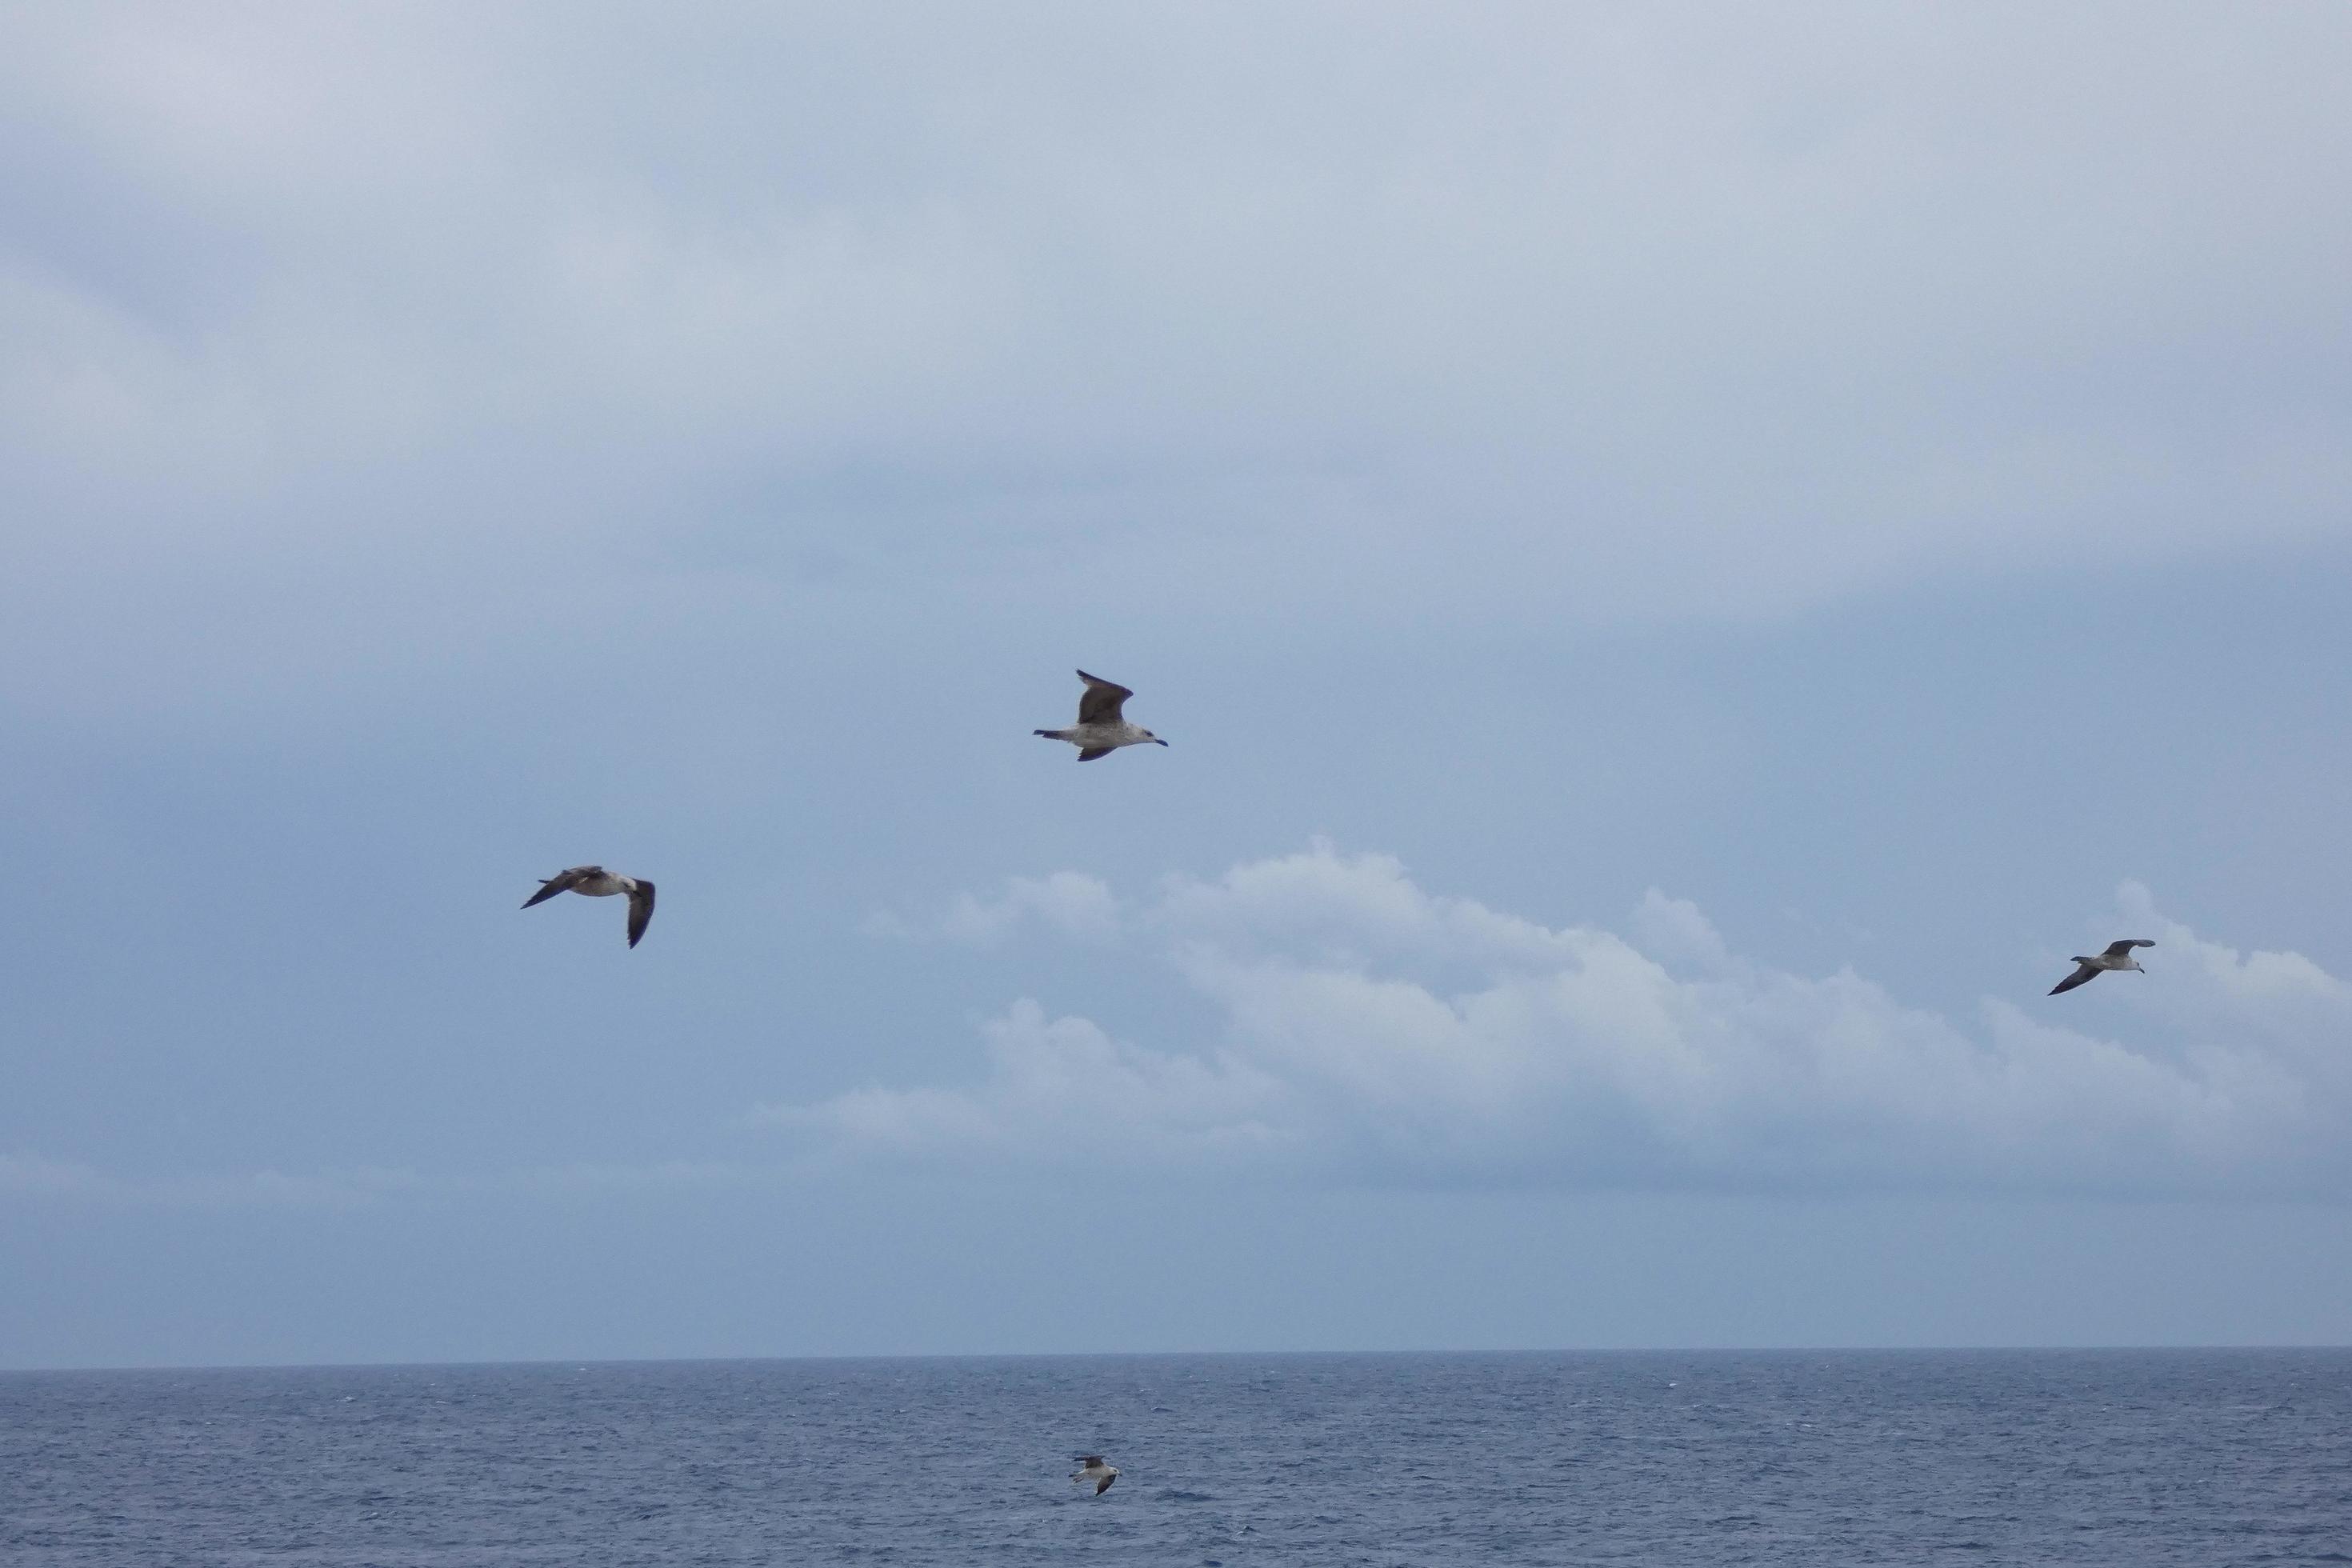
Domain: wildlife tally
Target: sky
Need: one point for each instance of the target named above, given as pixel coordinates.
(1688, 558)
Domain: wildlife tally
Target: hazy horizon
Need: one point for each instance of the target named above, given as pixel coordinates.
(1210, 1355)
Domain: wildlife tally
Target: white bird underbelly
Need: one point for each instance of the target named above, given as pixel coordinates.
(1111, 735)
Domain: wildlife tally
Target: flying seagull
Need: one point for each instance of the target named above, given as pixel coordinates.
(598, 883)
(1092, 1468)
(2117, 956)
(1100, 730)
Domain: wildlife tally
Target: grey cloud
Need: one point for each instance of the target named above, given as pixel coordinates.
(1546, 310)
(30, 1176)
(27, 1178)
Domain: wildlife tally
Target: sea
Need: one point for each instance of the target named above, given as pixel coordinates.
(2203, 1458)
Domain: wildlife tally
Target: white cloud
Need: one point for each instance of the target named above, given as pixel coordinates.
(1366, 1026)
(1063, 1085)
(1070, 903)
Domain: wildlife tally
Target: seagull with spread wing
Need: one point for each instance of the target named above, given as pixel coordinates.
(1101, 728)
(598, 883)
(2117, 956)
(1092, 1468)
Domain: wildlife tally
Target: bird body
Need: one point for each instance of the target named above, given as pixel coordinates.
(2118, 955)
(1091, 1468)
(1102, 727)
(597, 882)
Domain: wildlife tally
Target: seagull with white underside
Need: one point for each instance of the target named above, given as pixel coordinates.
(1101, 728)
(598, 883)
(1092, 1468)
(2117, 956)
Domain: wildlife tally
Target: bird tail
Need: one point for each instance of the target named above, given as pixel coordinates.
(1053, 735)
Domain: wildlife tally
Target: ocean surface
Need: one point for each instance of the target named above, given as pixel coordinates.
(2194, 1458)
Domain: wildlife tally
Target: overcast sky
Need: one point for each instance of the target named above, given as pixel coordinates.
(1688, 558)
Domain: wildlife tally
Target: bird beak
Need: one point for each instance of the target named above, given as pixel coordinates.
(1157, 740)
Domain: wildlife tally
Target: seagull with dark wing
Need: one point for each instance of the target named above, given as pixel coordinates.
(1092, 1468)
(2117, 956)
(1101, 728)
(598, 883)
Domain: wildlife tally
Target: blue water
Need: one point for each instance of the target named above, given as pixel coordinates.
(2204, 1457)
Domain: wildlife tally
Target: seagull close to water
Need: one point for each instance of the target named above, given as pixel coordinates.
(1100, 730)
(598, 883)
(2117, 956)
(1092, 1468)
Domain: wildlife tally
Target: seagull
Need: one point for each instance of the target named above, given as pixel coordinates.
(2117, 956)
(1090, 1466)
(1100, 730)
(598, 883)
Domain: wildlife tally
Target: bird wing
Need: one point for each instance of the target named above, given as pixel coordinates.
(1103, 1485)
(1087, 1461)
(641, 909)
(1090, 754)
(2082, 971)
(1102, 702)
(2118, 949)
(561, 882)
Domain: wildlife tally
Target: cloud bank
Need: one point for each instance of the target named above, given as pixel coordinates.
(1364, 1027)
